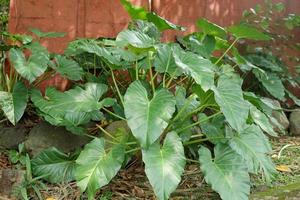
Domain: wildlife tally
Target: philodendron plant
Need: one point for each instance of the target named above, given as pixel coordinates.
(30, 64)
(171, 97)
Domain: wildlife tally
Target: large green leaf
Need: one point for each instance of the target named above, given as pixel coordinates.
(74, 100)
(254, 146)
(29, 69)
(164, 166)
(262, 121)
(57, 166)
(201, 69)
(164, 61)
(272, 83)
(134, 38)
(210, 28)
(92, 47)
(226, 173)
(229, 96)
(68, 68)
(72, 108)
(202, 46)
(141, 13)
(243, 31)
(147, 118)
(96, 166)
(13, 104)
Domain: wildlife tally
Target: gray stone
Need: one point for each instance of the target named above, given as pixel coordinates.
(44, 135)
(10, 180)
(117, 125)
(10, 137)
(295, 123)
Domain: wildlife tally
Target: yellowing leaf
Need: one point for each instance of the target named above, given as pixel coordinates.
(283, 168)
(50, 198)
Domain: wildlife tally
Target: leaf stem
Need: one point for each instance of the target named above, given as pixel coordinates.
(227, 50)
(198, 122)
(191, 160)
(132, 150)
(105, 132)
(113, 114)
(116, 86)
(168, 63)
(151, 74)
(136, 71)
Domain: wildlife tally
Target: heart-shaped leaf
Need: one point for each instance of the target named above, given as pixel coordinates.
(96, 166)
(68, 68)
(226, 173)
(134, 38)
(200, 69)
(31, 68)
(229, 96)
(13, 104)
(164, 61)
(243, 31)
(254, 146)
(147, 118)
(164, 166)
(57, 166)
(210, 28)
(140, 13)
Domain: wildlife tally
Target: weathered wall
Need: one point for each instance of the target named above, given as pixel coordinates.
(105, 18)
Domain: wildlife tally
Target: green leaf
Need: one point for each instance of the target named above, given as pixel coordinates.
(272, 83)
(226, 173)
(214, 130)
(203, 47)
(293, 97)
(210, 28)
(13, 104)
(74, 100)
(200, 69)
(134, 38)
(96, 166)
(243, 31)
(41, 34)
(164, 61)
(164, 166)
(91, 46)
(29, 69)
(254, 146)
(68, 68)
(71, 108)
(140, 13)
(56, 166)
(229, 96)
(147, 118)
(161, 23)
(262, 121)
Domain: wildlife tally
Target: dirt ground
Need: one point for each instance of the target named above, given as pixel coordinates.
(131, 183)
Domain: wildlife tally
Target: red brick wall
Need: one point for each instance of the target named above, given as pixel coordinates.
(105, 18)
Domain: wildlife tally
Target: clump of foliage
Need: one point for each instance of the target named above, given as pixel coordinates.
(30, 64)
(265, 62)
(181, 104)
(4, 8)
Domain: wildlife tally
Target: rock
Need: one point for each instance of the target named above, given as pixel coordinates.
(10, 179)
(295, 123)
(116, 125)
(10, 137)
(44, 135)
